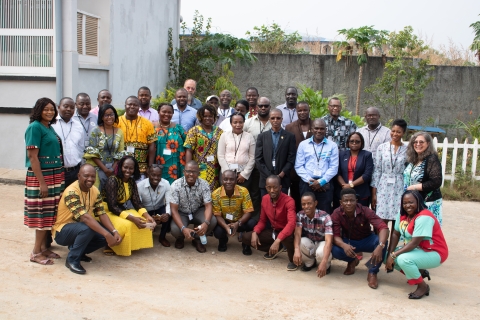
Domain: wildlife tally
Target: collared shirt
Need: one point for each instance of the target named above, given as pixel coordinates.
(275, 138)
(226, 113)
(150, 114)
(87, 124)
(312, 157)
(189, 199)
(196, 104)
(359, 227)
(185, 118)
(282, 215)
(154, 199)
(71, 135)
(239, 204)
(338, 130)
(289, 115)
(316, 228)
(254, 126)
(237, 149)
(74, 203)
(95, 110)
(374, 138)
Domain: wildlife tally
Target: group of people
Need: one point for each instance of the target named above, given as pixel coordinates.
(273, 178)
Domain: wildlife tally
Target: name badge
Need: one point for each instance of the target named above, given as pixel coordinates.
(229, 216)
(167, 152)
(190, 216)
(391, 180)
(273, 163)
(86, 143)
(210, 158)
(274, 236)
(317, 173)
(233, 166)
(130, 149)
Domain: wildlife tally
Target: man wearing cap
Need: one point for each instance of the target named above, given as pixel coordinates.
(214, 101)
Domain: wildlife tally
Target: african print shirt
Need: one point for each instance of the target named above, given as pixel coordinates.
(236, 206)
(338, 130)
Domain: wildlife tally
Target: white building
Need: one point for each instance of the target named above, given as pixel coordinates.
(58, 48)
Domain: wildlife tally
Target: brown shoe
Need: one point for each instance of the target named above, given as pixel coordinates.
(179, 243)
(351, 267)
(372, 280)
(164, 242)
(199, 246)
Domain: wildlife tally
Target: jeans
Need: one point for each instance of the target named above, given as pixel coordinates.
(368, 244)
(165, 225)
(80, 239)
(324, 199)
(221, 234)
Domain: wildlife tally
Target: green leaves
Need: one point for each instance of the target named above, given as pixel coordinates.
(364, 38)
(272, 39)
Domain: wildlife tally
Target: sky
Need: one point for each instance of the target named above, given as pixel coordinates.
(438, 21)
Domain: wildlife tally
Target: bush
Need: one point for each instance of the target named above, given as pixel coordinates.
(463, 188)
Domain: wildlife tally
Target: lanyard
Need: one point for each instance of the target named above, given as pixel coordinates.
(63, 134)
(315, 151)
(396, 156)
(87, 208)
(81, 122)
(370, 140)
(109, 147)
(291, 115)
(260, 123)
(236, 148)
(128, 133)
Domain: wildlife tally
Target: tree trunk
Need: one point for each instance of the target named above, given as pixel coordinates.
(360, 74)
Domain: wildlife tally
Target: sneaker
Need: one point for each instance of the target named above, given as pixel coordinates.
(282, 248)
(267, 256)
(292, 266)
(304, 268)
(222, 245)
(246, 250)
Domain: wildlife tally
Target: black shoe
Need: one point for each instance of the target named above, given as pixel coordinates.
(292, 266)
(425, 274)
(86, 258)
(328, 270)
(267, 256)
(306, 269)
(246, 250)
(222, 245)
(78, 269)
(412, 295)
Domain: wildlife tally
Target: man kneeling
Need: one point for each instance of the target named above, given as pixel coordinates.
(76, 226)
(353, 221)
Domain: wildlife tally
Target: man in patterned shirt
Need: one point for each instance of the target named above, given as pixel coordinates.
(313, 237)
(232, 207)
(338, 127)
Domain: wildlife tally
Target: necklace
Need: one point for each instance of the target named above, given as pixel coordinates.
(87, 208)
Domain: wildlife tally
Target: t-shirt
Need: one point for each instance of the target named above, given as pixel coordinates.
(37, 136)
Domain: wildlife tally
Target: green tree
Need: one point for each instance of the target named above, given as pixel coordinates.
(224, 82)
(475, 46)
(400, 89)
(364, 39)
(272, 39)
(202, 55)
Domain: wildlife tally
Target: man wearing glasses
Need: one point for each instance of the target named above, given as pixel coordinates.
(191, 204)
(338, 127)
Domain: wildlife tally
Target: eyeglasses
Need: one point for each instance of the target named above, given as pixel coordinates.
(419, 142)
(275, 118)
(109, 115)
(334, 107)
(263, 106)
(355, 141)
(193, 172)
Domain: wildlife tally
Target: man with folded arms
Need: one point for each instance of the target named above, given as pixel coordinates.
(276, 225)
(232, 207)
(76, 226)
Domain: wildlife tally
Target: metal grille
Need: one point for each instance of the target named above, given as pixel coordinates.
(91, 36)
(26, 14)
(80, 33)
(26, 51)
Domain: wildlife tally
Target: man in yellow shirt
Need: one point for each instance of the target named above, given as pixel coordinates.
(76, 226)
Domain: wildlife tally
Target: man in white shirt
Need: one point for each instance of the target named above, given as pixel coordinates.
(71, 134)
(155, 195)
(83, 116)
(374, 133)
(224, 109)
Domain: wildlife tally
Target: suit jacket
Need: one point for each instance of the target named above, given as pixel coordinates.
(364, 168)
(294, 128)
(284, 160)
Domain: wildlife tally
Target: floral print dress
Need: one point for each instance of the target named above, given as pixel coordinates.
(171, 152)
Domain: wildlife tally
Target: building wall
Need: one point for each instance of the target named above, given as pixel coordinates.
(92, 81)
(23, 94)
(12, 140)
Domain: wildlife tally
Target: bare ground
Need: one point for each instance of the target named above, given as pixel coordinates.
(165, 283)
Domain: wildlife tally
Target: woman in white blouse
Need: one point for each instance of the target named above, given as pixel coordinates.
(236, 150)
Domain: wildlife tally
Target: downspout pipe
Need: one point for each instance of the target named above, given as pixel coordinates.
(59, 50)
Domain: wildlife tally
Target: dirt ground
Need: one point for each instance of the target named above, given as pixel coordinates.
(166, 283)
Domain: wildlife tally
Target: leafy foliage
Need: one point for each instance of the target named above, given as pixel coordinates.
(202, 55)
(224, 82)
(475, 46)
(319, 104)
(471, 127)
(400, 89)
(272, 39)
(166, 96)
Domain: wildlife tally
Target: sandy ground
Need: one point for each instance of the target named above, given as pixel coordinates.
(166, 283)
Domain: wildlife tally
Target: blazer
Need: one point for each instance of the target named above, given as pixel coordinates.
(284, 160)
(294, 128)
(364, 168)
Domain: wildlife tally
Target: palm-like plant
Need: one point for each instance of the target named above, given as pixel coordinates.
(475, 46)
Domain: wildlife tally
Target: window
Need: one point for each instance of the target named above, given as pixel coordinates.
(87, 37)
(27, 37)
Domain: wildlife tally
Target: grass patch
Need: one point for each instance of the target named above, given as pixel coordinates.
(463, 189)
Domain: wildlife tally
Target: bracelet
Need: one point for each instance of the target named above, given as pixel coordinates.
(393, 255)
(181, 230)
(113, 231)
(381, 245)
(207, 222)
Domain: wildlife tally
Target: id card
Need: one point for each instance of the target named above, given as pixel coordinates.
(317, 173)
(130, 149)
(167, 152)
(86, 143)
(210, 158)
(273, 163)
(391, 180)
(190, 216)
(233, 166)
(229, 216)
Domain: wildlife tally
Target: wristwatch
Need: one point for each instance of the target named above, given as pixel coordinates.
(351, 185)
(207, 222)
(239, 223)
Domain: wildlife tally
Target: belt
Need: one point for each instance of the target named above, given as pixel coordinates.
(72, 168)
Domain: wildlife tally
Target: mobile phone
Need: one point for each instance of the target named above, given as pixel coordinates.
(369, 264)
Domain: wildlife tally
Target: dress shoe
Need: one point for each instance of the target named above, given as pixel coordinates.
(246, 250)
(199, 246)
(75, 268)
(86, 258)
(415, 296)
(222, 245)
(372, 280)
(164, 242)
(304, 268)
(351, 267)
(179, 243)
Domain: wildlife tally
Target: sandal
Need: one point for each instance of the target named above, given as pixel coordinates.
(34, 258)
(108, 252)
(51, 255)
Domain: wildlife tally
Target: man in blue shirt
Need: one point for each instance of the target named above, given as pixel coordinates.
(316, 164)
(191, 86)
(182, 113)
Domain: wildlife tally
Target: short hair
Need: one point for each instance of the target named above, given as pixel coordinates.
(181, 89)
(229, 171)
(101, 113)
(205, 107)
(303, 102)
(334, 98)
(237, 114)
(85, 165)
(82, 94)
(252, 88)
(103, 91)
(165, 104)
(400, 123)
(132, 97)
(192, 163)
(348, 191)
(155, 166)
(296, 90)
(319, 120)
(144, 88)
(276, 110)
(243, 102)
(275, 177)
(37, 110)
(65, 98)
(362, 141)
(418, 197)
(136, 168)
(412, 155)
(190, 80)
(309, 194)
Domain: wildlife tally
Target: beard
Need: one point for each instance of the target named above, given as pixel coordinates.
(190, 97)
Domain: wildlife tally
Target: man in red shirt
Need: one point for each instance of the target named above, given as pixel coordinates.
(352, 233)
(276, 225)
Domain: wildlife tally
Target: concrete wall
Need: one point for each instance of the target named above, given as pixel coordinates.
(92, 81)
(12, 140)
(23, 94)
(453, 93)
